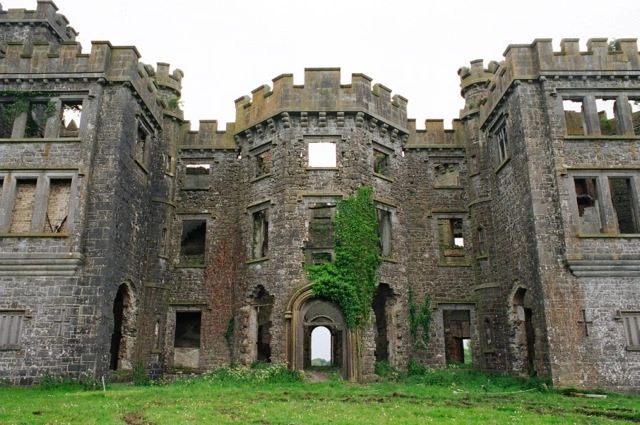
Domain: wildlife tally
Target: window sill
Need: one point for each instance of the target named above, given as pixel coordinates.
(260, 177)
(501, 166)
(41, 140)
(190, 266)
(449, 187)
(196, 188)
(633, 349)
(383, 177)
(482, 257)
(619, 137)
(141, 165)
(608, 235)
(33, 235)
(257, 260)
(10, 348)
(322, 168)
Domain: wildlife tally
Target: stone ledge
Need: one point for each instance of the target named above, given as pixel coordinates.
(604, 268)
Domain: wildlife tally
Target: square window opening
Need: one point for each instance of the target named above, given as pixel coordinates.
(36, 120)
(263, 163)
(192, 244)
(623, 204)
(574, 117)
(187, 333)
(451, 237)
(322, 155)
(380, 162)
(70, 115)
(197, 176)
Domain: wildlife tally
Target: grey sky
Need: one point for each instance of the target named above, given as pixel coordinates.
(228, 48)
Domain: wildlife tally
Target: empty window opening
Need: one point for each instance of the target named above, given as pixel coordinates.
(197, 176)
(503, 144)
(488, 332)
(322, 155)
(141, 144)
(321, 347)
(574, 117)
(263, 163)
(70, 115)
(6, 120)
(588, 205)
(457, 329)
(11, 323)
(58, 206)
(631, 322)
(381, 301)
(23, 206)
(124, 329)
(156, 335)
(380, 162)
(607, 117)
(623, 204)
(384, 232)
(187, 329)
(447, 175)
(635, 115)
(451, 236)
(36, 120)
(260, 239)
(192, 245)
(320, 243)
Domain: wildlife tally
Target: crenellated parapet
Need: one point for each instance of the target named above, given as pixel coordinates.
(321, 92)
(113, 64)
(435, 135)
(46, 14)
(209, 137)
(537, 60)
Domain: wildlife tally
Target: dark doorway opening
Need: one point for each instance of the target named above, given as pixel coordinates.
(263, 304)
(381, 302)
(116, 336)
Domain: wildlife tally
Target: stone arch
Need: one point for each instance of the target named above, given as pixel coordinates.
(522, 335)
(124, 332)
(305, 312)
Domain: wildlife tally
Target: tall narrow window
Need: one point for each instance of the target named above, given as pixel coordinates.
(192, 245)
(503, 145)
(186, 342)
(141, 144)
(23, 206)
(58, 206)
(574, 117)
(320, 244)
(589, 217)
(70, 115)
(635, 115)
(482, 244)
(36, 120)
(260, 239)
(6, 120)
(623, 204)
(607, 117)
(631, 321)
(384, 232)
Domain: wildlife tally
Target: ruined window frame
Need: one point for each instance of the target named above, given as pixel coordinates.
(142, 127)
(609, 226)
(622, 110)
(62, 102)
(260, 216)
(260, 169)
(578, 100)
(502, 144)
(315, 140)
(197, 181)
(633, 203)
(4, 114)
(15, 343)
(386, 247)
(193, 217)
(386, 155)
(314, 254)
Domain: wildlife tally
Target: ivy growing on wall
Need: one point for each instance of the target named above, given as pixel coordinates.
(350, 281)
(419, 321)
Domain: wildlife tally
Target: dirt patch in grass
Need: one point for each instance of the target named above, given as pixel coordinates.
(135, 418)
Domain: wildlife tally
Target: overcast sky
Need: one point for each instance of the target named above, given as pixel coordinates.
(228, 48)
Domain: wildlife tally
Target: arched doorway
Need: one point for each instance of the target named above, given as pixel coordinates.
(123, 336)
(523, 335)
(306, 313)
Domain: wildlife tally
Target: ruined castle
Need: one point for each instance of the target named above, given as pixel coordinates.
(126, 238)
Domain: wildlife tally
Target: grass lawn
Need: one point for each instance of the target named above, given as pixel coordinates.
(452, 396)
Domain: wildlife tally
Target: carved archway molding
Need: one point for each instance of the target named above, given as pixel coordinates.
(293, 321)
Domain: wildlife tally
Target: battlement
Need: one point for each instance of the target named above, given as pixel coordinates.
(113, 63)
(535, 60)
(209, 137)
(321, 91)
(45, 13)
(434, 134)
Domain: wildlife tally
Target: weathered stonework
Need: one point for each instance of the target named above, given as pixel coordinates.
(126, 238)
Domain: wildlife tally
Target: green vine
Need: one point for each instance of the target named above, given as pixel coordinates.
(420, 321)
(19, 101)
(350, 281)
